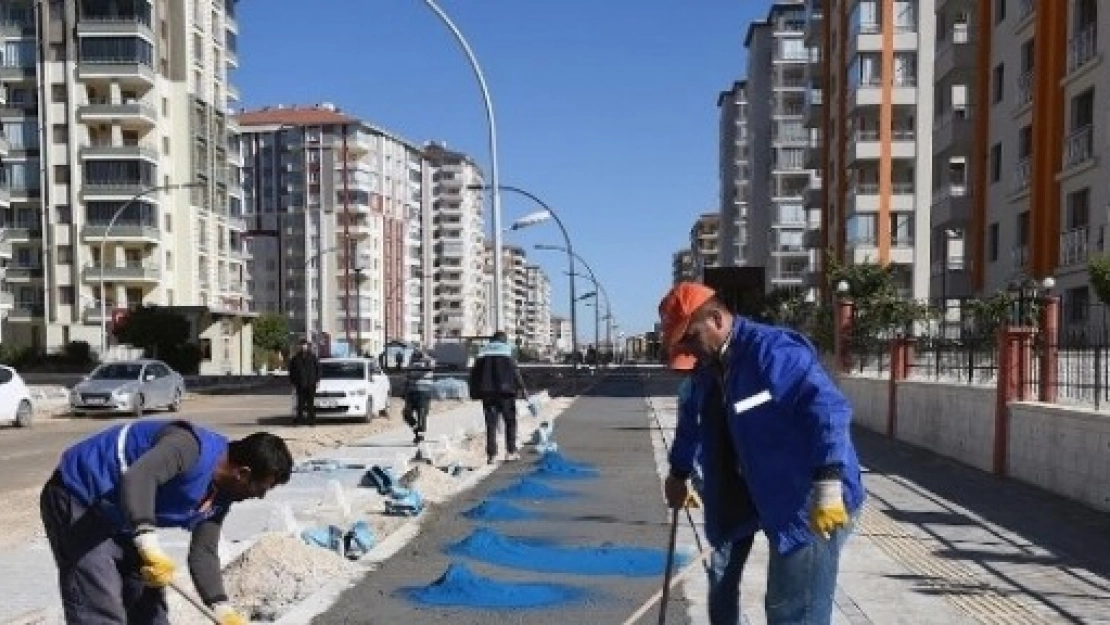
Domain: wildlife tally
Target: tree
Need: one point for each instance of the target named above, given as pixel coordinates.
(881, 311)
(1098, 268)
(271, 332)
(161, 333)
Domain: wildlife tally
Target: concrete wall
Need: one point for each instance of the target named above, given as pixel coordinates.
(956, 421)
(1062, 449)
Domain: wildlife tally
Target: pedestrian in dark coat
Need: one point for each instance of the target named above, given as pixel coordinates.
(304, 376)
(496, 381)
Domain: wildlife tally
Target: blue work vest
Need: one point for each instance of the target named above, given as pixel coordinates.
(92, 471)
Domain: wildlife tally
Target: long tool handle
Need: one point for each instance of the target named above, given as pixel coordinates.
(197, 603)
(643, 609)
(670, 568)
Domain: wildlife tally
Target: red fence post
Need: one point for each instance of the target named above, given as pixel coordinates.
(1050, 348)
(901, 361)
(843, 329)
(1005, 392)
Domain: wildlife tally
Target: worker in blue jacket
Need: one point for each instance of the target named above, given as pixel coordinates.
(112, 491)
(770, 433)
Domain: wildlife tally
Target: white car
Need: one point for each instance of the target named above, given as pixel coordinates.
(15, 399)
(351, 387)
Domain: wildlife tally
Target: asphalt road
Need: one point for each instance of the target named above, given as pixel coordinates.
(609, 427)
(27, 456)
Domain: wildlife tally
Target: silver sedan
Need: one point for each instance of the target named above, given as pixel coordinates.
(129, 386)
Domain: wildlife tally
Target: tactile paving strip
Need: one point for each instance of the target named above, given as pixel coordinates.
(971, 593)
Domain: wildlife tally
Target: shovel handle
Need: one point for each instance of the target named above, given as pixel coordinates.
(197, 603)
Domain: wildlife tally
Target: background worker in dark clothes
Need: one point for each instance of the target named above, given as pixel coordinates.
(110, 492)
(496, 380)
(419, 385)
(771, 433)
(304, 375)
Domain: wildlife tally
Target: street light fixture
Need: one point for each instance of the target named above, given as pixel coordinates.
(598, 287)
(103, 244)
(540, 217)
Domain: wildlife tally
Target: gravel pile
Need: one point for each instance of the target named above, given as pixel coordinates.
(278, 571)
(432, 483)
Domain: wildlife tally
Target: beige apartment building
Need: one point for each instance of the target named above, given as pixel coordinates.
(875, 132)
(338, 212)
(705, 243)
(106, 106)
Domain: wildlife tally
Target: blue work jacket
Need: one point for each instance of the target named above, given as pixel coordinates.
(787, 420)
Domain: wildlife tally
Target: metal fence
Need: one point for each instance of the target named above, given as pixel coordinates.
(960, 361)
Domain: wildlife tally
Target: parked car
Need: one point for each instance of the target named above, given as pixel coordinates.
(129, 386)
(15, 399)
(351, 387)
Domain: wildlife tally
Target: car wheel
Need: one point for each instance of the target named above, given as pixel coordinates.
(24, 414)
(140, 401)
(175, 405)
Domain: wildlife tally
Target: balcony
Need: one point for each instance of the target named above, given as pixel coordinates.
(16, 73)
(863, 250)
(23, 231)
(142, 150)
(1021, 176)
(951, 204)
(814, 108)
(1079, 147)
(956, 53)
(1024, 90)
(812, 239)
(121, 190)
(108, 111)
(5, 245)
(1083, 48)
(122, 272)
(952, 132)
(5, 194)
(124, 70)
(12, 29)
(4, 145)
(814, 194)
(7, 300)
(233, 93)
(25, 311)
(1026, 9)
(1074, 247)
(115, 25)
(121, 231)
(24, 273)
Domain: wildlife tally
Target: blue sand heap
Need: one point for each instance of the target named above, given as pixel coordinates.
(488, 546)
(530, 488)
(555, 465)
(494, 510)
(459, 586)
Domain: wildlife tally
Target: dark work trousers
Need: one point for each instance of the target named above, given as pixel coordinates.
(416, 411)
(98, 569)
(495, 410)
(306, 405)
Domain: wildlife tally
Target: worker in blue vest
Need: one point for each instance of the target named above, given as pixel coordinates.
(771, 434)
(111, 492)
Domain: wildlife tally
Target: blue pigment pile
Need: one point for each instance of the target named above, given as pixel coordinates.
(486, 545)
(459, 586)
(557, 466)
(494, 510)
(529, 488)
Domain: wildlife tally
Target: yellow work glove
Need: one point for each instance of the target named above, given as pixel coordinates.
(827, 512)
(692, 500)
(228, 615)
(157, 567)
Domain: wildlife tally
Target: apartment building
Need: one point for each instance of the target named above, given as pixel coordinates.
(1038, 204)
(777, 84)
(6, 300)
(559, 335)
(535, 317)
(705, 242)
(513, 262)
(682, 266)
(108, 105)
(734, 174)
(878, 63)
(461, 292)
(338, 209)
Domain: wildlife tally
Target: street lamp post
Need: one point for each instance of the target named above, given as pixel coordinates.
(597, 323)
(103, 244)
(593, 276)
(608, 310)
(530, 220)
(358, 308)
(498, 297)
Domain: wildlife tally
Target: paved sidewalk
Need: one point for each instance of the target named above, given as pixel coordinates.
(942, 543)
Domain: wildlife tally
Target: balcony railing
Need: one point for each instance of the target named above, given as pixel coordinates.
(1025, 88)
(122, 271)
(1026, 8)
(1079, 146)
(1021, 175)
(1019, 256)
(1073, 246)
(1082, 47)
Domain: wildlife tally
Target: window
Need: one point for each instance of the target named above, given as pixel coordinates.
(998, 82)
(1027, 56)
(1025, 142)
(63, 214)
(58, 52)
(1021, 238)
(901, 229)
(992, 243)
(1083, 110)
(999, 11)
(905, 69)
(996, 162)
(65, 255)
(1076, 303)
(116, 50)
(66, 296)
(61, 174)
(60, 133)
(1078, 212)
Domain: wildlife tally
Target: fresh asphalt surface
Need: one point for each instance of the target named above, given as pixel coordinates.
(608, 427)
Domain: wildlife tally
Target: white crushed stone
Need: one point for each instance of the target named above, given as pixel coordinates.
(20, 518)
(433, 484)
(278, 571)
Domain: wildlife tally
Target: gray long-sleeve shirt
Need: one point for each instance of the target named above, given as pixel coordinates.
(176, 450)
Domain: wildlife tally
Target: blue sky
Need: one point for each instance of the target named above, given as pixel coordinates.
(606, 109)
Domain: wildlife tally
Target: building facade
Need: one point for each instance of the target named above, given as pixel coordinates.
(108, 107)
(878, 134)
(337, 209)
(705, 243)
(682, 266)
(535, 318)
(734, 175)
(559, 334)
